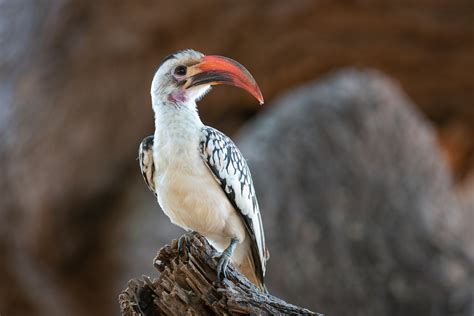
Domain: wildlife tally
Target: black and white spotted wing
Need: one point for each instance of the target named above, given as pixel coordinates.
(231, 171)
(145, 158)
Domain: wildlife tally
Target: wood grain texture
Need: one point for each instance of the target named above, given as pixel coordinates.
(187, 286)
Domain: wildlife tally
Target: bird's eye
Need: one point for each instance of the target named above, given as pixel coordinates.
(180, 70)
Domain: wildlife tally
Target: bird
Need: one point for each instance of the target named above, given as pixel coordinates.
(198, 175)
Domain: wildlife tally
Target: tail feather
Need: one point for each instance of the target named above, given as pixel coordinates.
(247, 268)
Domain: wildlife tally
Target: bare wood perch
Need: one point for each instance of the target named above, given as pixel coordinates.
(187, 286)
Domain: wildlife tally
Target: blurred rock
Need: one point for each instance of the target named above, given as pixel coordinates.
(355, 195)
(466, 196)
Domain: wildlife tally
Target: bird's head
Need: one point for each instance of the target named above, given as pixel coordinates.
(186, 76)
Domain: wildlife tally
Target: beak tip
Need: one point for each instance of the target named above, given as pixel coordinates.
(259, 95)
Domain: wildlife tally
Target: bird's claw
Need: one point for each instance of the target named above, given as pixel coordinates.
(184, 245)
(224, 260)
(222, 267)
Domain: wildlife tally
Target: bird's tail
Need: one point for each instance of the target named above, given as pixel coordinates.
(247, 268)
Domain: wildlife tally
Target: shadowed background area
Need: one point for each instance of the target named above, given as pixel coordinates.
(365, 182)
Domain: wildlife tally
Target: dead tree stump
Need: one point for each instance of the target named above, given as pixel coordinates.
(187, 286)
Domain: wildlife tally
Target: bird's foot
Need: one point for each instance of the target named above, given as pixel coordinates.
(224, 260)
(222, 267)
(184, 244)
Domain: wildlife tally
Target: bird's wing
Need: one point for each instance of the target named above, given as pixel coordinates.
(145, 158)
(230, 169)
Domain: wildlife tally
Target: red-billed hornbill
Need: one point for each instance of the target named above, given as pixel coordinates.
(200, 179)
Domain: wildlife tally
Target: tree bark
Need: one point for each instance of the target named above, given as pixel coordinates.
(187, 286)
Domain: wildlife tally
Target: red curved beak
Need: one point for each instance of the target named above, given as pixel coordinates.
(215, 70)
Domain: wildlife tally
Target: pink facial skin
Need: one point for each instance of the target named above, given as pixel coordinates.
(178, 96)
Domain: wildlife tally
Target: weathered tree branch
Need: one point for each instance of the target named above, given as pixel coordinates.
(187, 286)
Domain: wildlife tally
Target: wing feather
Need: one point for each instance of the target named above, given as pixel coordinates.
(231, 171)
(145, 158)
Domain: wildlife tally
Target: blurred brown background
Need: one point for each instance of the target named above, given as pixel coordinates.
(366, 183)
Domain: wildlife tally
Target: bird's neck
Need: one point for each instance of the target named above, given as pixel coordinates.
(179, 123)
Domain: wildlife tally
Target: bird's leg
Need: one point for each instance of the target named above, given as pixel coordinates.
(225, 258)
(184, 243)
